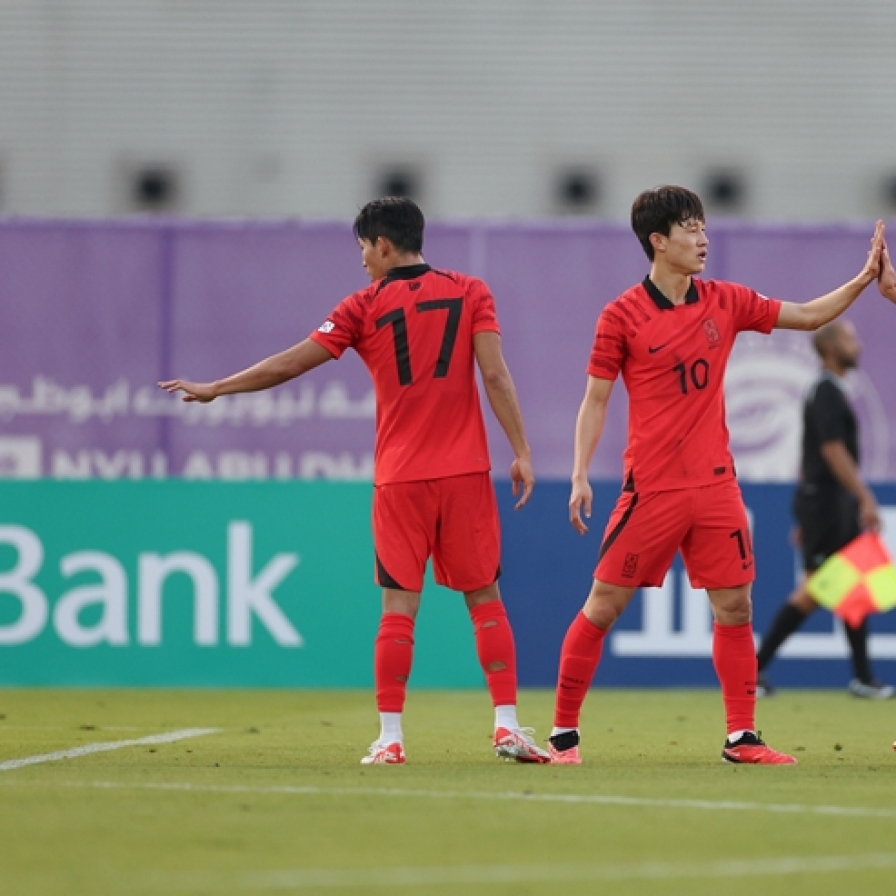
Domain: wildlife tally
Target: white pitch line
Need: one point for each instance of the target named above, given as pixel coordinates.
(104, 746)
(369, 878)
(404, 793)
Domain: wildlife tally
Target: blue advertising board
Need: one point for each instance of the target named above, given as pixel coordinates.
(270, 584)
(664, 637)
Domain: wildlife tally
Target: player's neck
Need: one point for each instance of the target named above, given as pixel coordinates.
(404, 260)
(674, 285)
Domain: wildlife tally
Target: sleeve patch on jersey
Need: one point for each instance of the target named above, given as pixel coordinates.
(326, 327)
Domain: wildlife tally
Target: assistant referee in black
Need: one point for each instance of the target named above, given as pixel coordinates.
(832, 504)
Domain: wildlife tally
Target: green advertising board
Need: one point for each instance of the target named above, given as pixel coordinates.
(175, 583)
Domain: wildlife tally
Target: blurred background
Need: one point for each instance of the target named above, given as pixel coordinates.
(773, 110)
(177, 184)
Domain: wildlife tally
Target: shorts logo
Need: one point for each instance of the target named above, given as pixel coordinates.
(326, 327)
(712, 332)
(630, 565)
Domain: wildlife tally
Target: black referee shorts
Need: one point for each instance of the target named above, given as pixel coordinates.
(828, 517)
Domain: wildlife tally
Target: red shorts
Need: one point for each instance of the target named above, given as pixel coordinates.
(709, 525)
(453, 520)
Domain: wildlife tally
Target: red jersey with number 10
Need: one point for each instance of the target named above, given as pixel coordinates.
(672, 359)
(414, 330)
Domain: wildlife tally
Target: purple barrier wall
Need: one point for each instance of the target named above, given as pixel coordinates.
(92, 314)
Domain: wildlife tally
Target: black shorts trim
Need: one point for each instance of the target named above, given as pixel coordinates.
(383, 579)
(608, 541)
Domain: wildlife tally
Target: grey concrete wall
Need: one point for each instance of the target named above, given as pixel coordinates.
(304, 107)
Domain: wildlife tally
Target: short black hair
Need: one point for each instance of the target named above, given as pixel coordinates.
(397, 218)
(657, 210)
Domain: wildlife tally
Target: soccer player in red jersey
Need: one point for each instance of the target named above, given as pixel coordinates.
(670, 337)
(421, 332)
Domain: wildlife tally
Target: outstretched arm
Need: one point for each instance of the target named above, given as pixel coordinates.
(814, 314)
(502, 397)
(272, 371)
(589, 427)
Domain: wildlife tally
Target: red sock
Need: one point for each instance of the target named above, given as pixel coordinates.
(496, 651)
(393, 653)
(579, 657)
(734, 658)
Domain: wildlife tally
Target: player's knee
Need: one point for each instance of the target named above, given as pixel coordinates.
(733, 613)
(603, 615)
(605, 604)
(482, 596)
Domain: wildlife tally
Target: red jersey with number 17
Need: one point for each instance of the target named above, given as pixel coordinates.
(672, 359)
(414, 330)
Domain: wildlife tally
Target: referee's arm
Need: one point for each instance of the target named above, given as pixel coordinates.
(846, 471)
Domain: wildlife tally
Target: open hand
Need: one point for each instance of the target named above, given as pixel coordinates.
(523, 479)
(873, 264)
(886, 280)
(203, 392)
(579, 505)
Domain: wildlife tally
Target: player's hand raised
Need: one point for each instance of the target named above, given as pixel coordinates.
(523, 479)
(873, 264)
(886, 281)
(203, 392)
(580, 504)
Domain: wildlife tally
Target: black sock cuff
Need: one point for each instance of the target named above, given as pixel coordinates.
(565, 741)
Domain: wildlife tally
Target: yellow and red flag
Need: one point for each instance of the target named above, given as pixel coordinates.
(859, 579)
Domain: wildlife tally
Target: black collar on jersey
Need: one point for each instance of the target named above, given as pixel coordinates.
(661, 302)
(406, 272)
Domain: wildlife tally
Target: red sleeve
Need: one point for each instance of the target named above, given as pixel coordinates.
(755, 311)
(609, 348)
(485, 317)
(343, 328)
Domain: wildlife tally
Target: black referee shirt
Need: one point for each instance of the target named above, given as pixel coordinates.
(827, 417)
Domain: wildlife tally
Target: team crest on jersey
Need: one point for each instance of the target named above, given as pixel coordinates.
(712, 332)
(326, 327)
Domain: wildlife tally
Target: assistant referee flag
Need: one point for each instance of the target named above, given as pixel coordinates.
(859, 579)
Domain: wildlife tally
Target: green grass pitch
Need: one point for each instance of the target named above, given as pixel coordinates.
(275, 800)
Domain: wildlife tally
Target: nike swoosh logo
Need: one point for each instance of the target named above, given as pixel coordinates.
(746, 565)
(654, 349)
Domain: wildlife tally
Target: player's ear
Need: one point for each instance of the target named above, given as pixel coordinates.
(658, 241)
(384, 246)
